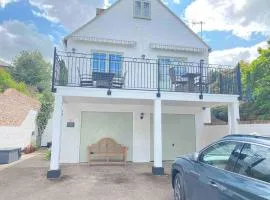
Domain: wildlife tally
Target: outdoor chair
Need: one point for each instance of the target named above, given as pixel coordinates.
(206, 82)
(119, 81)
(85, 79)
(177, 80)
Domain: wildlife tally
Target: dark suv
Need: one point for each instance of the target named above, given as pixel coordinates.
(237, 167)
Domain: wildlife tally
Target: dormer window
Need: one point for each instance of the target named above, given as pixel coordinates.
(142, 9)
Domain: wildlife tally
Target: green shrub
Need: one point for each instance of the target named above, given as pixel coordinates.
(63, 74)
(48, 155)
(6, 81)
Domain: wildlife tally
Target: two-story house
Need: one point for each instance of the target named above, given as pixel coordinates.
(136, 73)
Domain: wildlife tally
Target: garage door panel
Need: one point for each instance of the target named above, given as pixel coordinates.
(98, 125)
(178, 135)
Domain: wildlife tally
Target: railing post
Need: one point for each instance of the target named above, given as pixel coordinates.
(220, 83)
(53, 72)
(200, 80)
(158, 65)
(239, 84)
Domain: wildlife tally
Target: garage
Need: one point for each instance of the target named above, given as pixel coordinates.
(178, 135)
(98, 125)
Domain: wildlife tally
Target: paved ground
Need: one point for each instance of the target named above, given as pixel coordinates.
(27, 181)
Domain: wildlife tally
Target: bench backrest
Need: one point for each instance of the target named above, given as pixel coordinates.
(106, 145)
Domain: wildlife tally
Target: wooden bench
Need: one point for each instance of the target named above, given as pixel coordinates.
(107, 151)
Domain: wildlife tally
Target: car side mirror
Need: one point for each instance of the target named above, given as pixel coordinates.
(195, 157)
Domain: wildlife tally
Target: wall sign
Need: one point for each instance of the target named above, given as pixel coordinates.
(70, 124)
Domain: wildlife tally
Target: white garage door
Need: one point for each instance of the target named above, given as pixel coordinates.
(98, 125)
(178, 136)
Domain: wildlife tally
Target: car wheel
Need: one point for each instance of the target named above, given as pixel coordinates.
(178, 188)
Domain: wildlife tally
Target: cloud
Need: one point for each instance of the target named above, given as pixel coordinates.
(234, 55)
(176, 1)
(107, 4)
(17, 36)
(71, 14)
(3, 3)
(241, 17)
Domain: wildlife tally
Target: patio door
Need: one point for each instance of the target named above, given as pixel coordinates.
(107, 62)
(165, 63)
(98, 125)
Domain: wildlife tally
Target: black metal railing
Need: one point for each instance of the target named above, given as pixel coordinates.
(85, 70)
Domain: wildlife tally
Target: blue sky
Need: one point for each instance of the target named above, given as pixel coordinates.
(229, 29)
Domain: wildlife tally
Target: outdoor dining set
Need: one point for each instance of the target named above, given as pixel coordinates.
(101, 79)
(189, 81)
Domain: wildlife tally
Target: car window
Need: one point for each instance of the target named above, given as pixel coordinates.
(254, 162)
(220, 155)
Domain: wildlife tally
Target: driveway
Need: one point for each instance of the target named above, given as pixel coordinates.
(27, 180)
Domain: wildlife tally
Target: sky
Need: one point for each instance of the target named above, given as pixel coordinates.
(233, 28)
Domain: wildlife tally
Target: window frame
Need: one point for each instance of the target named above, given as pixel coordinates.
(171, 64)
(141, 16)
(107, 59)
(232, 172)
(237, 172)
(201, 154)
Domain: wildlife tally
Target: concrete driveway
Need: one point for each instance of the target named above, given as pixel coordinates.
(27, 180)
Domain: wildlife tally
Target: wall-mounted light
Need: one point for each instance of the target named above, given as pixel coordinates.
(142, 115)
(143, 56)
(73, 50)
(204, 108)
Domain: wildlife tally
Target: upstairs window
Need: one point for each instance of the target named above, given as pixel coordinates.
(142, 9)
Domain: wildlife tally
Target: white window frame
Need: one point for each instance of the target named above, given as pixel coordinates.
(141, 16)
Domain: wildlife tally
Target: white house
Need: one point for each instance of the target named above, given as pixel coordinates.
(136, 73)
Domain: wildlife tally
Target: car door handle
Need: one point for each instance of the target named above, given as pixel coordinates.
(213, 184)
(217, 186)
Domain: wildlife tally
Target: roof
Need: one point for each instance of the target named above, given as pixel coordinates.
(160, 1)
(257, 139)
(15, 106)
(4, 64)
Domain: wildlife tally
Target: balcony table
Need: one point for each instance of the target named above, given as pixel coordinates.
(103, 79)
(191, 79)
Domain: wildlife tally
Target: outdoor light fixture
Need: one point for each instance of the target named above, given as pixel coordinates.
(73, 50)
(143, 56)
(142, 115)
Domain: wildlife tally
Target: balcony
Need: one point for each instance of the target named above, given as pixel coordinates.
(93, 71)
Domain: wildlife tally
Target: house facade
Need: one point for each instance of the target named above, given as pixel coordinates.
(136, 73)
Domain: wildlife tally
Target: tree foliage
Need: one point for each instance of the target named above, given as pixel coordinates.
(257, 83)
(256, 89)
(46, 100)
(32, 69)
(6, 81)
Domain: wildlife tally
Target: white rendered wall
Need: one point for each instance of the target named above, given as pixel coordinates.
(20, 136)
(163, 28)
(141, 136)
(47, 134)
(211, 133)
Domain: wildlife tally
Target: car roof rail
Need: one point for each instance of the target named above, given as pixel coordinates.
(251, 135)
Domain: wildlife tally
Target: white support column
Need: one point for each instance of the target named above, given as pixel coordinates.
(157, 168)
(233, 117)
(54, 171)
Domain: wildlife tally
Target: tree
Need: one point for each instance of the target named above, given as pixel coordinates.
(260, 82)
(32, 69)
(256, 89)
